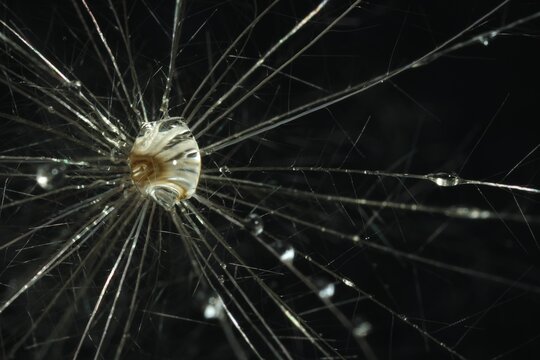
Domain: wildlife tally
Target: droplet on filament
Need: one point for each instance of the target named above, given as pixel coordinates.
(50, 176)
(445, 179)
(254, 224)
(165, 162)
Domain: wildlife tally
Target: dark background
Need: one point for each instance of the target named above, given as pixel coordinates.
(473, 111)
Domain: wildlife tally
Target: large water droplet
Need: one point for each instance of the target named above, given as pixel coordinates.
(444, 179)
(254, 224)
(50, 176)
(165, 161)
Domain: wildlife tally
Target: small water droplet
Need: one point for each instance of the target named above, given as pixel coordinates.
(468, 213)
(224, 170)
(361, 327)
(51, 109)
(50, 176)
(444, 179)
(286, 252)
(254, 224)
(486, 39)
(213, 308)
(326, 288)
(75, 84)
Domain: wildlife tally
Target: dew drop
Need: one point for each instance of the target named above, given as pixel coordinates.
(77, 85)
(254, 224)
(486, 39)
(361, 327)
(224, 170)
(213, 308)
(286, 252)
(444, 179)
(326, 288)
(50, 176)
(468, 213)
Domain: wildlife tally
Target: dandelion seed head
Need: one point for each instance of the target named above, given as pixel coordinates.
(165, 162)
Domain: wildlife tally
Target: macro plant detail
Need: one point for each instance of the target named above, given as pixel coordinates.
(267, 178)
(165, 162)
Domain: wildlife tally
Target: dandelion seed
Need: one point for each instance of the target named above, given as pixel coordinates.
(229, 160)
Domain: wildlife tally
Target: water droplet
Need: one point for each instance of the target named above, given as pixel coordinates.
(213, 308)
(224, 170)
(361, 327)
(326, 288)
(159, 168)
(75, 84)
(444, 179)
(254, 224)
(486, 39)
(51, 109)
(468, 213)
(50, 176)
(286, 252)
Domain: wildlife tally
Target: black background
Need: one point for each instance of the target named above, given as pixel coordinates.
(473, 111)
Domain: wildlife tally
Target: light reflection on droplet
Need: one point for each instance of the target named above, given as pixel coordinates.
(361, 327)
(444, 179)
(254, 224)
(214, 308)
(50, 176)
(286, 252)
(326, 288)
